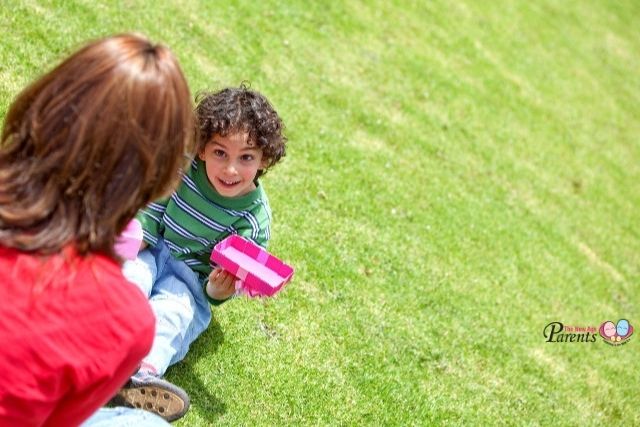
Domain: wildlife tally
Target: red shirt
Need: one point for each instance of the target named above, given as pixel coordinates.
(72, 331)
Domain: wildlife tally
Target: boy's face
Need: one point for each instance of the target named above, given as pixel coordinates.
(232, 163)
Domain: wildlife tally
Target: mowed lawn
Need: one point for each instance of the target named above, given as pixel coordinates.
(459, 175)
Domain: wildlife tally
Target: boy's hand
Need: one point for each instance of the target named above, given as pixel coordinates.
(221, 284)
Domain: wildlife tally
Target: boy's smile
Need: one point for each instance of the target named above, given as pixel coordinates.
(232, 163)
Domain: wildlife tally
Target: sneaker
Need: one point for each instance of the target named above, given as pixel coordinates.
(153, 394)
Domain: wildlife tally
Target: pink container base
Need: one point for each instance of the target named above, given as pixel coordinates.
(259, 273)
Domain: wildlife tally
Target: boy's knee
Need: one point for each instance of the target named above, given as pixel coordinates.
(177, 301)
(175, 311)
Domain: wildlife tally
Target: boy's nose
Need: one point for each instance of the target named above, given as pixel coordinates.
(231, 169)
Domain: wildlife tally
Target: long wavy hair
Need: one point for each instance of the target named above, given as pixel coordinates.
(89, 143)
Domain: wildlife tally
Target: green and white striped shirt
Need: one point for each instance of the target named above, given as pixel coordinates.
(196, 217)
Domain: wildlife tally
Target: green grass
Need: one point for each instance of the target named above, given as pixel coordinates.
(459, 175)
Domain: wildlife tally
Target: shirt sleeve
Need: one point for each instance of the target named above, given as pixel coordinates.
(257, 227)
(151, 218)
(214, 302)
(259, 238)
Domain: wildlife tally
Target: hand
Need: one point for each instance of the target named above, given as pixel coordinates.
(221, 284)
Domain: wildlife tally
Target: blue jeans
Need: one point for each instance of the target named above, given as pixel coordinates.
(124, 417)
(178, 300)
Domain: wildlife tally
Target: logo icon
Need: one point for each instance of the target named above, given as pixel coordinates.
(616, 334)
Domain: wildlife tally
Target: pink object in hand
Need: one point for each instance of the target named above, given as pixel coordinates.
(128, 243)
(259, 272)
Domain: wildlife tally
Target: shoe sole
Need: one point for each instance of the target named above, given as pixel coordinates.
(160, 399)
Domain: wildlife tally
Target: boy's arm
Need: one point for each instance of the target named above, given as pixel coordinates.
(260, 236)
(151, 219)
(221, 284)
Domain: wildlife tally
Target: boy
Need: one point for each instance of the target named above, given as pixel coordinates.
(240, 137)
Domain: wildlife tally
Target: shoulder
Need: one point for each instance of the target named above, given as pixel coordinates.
(260, 208)
(261, 201)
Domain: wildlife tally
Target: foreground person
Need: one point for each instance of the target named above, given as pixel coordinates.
(83, 148)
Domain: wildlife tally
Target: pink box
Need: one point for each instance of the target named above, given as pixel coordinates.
(260, 273)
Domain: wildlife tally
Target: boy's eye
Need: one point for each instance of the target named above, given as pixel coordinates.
(218, 153)
(247, 157)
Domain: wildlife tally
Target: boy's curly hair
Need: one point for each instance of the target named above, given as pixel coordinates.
(241, 109)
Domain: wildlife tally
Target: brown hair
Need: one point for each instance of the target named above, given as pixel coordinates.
(91, 142)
